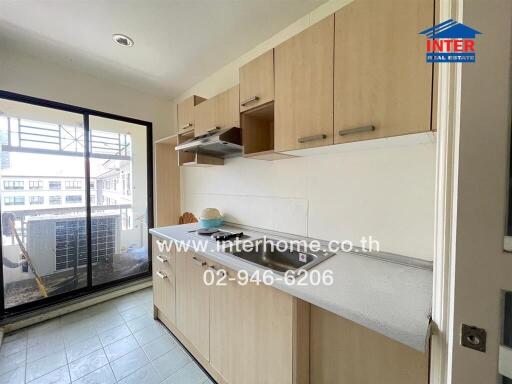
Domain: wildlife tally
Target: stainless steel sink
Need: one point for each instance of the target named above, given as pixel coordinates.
(279, 256)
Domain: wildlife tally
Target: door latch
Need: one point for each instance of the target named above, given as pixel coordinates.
(473, 337)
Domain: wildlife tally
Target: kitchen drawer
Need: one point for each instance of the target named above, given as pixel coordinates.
(164, 282)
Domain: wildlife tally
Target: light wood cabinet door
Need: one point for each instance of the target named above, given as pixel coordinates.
(185, 113)
(381, 79)
(164, 280)
(193, 301)
(257, 81)
(224, 327)
(204, 117)
(304, 88)
(227, 111)
(250, 346)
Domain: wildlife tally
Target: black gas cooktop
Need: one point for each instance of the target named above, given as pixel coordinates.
(219, 235)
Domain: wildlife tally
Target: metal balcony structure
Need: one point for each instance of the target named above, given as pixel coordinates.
(56, 139)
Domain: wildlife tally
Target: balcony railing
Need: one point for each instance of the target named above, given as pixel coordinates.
(37, 137)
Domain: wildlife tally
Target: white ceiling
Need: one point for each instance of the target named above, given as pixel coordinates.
(177, 42)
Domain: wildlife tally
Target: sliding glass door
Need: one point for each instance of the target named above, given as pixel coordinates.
(43, 205)
(119, 196)
(75, 188)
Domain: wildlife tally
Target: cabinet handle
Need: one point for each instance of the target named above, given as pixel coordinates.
(350, 131)
(161, 275)
(213, 129)
(186, 126)
(312, 138)
(249, 100)
(162, 259)
(198, 262)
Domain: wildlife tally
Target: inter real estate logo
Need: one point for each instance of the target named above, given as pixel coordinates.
(451, 42)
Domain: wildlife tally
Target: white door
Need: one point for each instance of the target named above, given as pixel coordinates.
(473, 272)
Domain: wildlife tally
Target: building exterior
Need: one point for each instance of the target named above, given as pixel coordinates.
(22, 193)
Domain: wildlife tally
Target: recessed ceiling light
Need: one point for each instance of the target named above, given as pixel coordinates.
(123, 40)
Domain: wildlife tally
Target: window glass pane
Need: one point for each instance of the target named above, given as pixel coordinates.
(118, 165)
(44, 242)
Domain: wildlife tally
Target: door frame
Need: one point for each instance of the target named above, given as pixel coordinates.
(462, 242)
(6, 314)
(448, 83)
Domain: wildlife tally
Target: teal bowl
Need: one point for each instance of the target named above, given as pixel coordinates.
(211, 223)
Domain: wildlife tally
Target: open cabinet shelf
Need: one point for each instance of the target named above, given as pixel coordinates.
(258, 133)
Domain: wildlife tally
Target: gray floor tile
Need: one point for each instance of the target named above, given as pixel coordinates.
(44, 328)
(50, 337)
(104, 375)
(16, 376)
(8, 348)
(190, 374)
(87, 364)
(16, 360)
(82, 348)
(146, 375)
(105, 323)
(112, 335)
(47, 364)
(158, 347)
(121, 347)
(80, 345)
(16, 335)
(101, 309)
(124, 303)
(171, 362)
(129, 363)
(73, 317)
(133, 313)
(141, 322)
(148, 334)
(77, 332)
(59, 376)
(35, 352)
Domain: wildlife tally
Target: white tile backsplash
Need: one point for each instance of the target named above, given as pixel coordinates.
(387, 193)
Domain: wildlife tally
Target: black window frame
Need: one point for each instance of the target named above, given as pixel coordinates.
(8, 313)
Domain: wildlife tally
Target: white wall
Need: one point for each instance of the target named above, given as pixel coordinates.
(34, 76)
(387, 193)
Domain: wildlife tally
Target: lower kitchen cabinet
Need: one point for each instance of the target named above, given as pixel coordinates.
(193, 301)
(251, 334)
(258, 334)
(345, 352)
(164, 282)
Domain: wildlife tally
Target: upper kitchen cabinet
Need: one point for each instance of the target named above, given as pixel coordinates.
(257, 81)
(382, 85)
(304, 73)
(221, 111)
(227, 112)
(186, 113)
(204, 115)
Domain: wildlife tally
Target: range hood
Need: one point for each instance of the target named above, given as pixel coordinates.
(223, 143)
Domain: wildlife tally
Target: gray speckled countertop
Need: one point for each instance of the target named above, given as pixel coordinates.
(392, 297)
